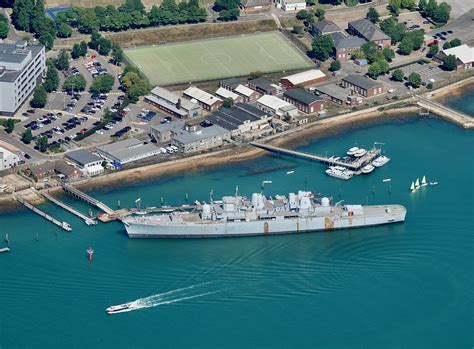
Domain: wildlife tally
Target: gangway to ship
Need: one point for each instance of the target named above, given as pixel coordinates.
(63, 225)
(89, 199)
(87, 220)
(356, 165)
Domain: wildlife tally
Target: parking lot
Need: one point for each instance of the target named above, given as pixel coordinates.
(428, 72)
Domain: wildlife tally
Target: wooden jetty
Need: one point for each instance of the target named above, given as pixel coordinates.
(87, 220)
(355, 165)
(63, 225)
(89, 199)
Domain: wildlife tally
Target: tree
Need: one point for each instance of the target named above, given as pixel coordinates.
(397, 75)
(74, 83)
(455, 42)
(383, 66)
(414, 79)
(394, 7)
(441, 13)
(322, 47)
(449, 62)
(95, 40)
(406, 46)
(135, 84)
(105, 45)
(64, 30)
(27, 136)
(47, 40)
(373, 15)
(320, 13)
(51, 82)
(255, 74)
(422, 6)
(357, 54)
(79, 50)
(297, 29)
(62, 61)
(4, 28)
(42, 143)
(446, 45)
(371, 51)
(417, 37)
(388, 54)
(392, 28)
(374, 70)
(302, 15)
(21, 14)
(228, 102)
(335, 66)
(408, 4)
(431, 8)
(102, 83)
(40, 97)
(117, 54)
(9, 125)
(433, 50)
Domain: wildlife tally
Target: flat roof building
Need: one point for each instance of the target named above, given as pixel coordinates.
(173, 104)
(200, 139)
(21, 70)
(8, 159)
(304, 79)
(369, 31)
(90, 163)
(128, 150)
(276, 106)
(305, 101)
(240, 119)
(206, 100)
(293, 5)
(362, 85)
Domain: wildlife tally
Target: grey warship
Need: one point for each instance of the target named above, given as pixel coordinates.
(261, 215)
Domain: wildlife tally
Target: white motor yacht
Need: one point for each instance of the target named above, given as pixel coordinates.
(367, 168)
(339, 172)
(359, 153)
(352, 151)
(119, 308)
(380, 161)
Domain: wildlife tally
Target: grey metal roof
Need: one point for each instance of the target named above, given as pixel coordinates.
(263, 84)
(368, 30)
(186, 137)
(337, 37)
(124, 154)
(361, 81)
(334, 91)
(120, 145)
(82, 157)
(178, 124)
(232, 118)
(350, 42)
(231, 82)
(254, 3)
(325, 27)
(302, 96)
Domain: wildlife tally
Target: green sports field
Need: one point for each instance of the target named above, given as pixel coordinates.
(217, 58)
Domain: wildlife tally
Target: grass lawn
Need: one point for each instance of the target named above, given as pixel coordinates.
(217, 58)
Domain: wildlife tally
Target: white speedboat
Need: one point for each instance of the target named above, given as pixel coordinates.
(380, 161)
(433, 183)
(360, 153)
(386, 180)
(367, 168)
(119, 308)
(352, 151)
(339, 172)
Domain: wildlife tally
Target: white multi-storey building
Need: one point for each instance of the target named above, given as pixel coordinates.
(7, 159)
(21, 70)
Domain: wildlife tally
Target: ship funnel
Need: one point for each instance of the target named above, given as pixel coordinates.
(325, 202)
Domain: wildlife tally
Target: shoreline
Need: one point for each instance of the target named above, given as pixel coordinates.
(300, 135)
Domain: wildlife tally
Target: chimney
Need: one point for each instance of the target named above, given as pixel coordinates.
(178, 105)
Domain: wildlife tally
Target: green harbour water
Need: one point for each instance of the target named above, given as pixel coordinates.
(399, 286)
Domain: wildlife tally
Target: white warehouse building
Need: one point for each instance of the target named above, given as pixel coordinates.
(128, 150)
(21, 70)
(8, 159)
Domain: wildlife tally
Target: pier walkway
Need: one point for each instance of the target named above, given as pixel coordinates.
(87, 220)
(46, 216)
(89, 199)
(452, 115)
(353, 165)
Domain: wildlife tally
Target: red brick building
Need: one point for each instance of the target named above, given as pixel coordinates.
(362, 85)
(367, 30)
(305, 101)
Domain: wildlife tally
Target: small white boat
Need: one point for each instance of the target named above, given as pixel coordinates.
(367, 169)
(412, 187)
(352, 151)
(360, 153)
(140, 213)
(423, 182)
(119, 308)
(267, 182)
(290, 172)
(380, 161)
(433, 183)
(4, 249)
(417, 183)
(386, 180)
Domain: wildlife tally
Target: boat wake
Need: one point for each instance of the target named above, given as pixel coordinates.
(169, 297)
